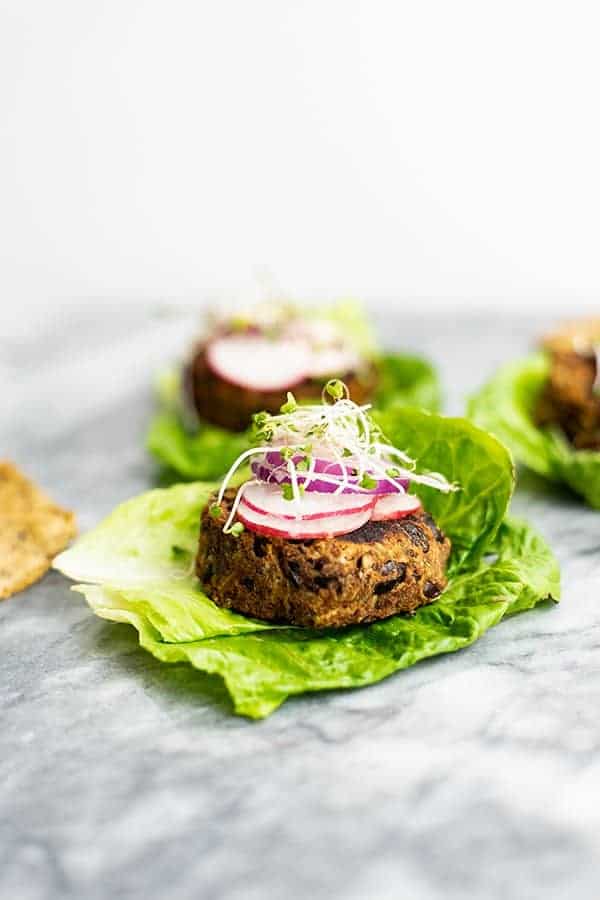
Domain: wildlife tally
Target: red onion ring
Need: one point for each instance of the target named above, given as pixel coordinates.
(278, 474)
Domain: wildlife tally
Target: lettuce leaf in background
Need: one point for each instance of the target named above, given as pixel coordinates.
(204, 454)
(210, 451)
(138, 567)
(505, 406)
(404, 379)
(407, 380)
(351, 318)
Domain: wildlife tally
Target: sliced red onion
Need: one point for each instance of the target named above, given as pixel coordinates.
(278, 474)
(320, 465)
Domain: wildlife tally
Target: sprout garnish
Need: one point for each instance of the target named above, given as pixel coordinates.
(337, 431)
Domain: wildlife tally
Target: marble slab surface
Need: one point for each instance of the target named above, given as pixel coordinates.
(474, 775)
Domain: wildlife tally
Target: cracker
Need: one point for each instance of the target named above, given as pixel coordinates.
(33, 530)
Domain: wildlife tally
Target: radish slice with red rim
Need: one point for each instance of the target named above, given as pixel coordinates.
(395, 506)
(302, 529)
(267, 500)
(256, 363)
(333, 361)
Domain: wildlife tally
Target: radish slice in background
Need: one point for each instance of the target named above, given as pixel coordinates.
(395, 506)
(318, 332)
(333, 361)
(257, 363)
(302, 529)
(266, 500)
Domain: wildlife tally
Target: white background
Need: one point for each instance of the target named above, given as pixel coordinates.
(408, 152)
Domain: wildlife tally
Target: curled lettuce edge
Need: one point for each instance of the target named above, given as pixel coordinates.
(504, 406)
(137, 567)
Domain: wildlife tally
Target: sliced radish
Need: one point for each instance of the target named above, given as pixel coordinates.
(257, 363)
(395, 506)
(333, 361)
(267, 500)
(302, 529)
(318, 332)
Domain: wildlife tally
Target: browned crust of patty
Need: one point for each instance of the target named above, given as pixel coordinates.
(576, 334)
(382, 569)
(217, 401)
(568, 399)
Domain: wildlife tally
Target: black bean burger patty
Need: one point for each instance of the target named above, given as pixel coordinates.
(568, 399)
(232, 407)
(379, 570)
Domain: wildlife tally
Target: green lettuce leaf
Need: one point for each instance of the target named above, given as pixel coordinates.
(150, 538)
(203, 455)
(467, 456)
(505, 406)
(406, 380)
(209, 452)
(178, 610)
(351, 318)
(137, 567)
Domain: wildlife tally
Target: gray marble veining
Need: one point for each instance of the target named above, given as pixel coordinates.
(474, 775)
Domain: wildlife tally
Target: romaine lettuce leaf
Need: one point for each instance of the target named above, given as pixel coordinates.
(505, 407)
(351, 318)
(406, 380)
(204, 454)
(178, 610)
(209, 452)
(466, 455)
(138, 564)
(150, 538)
